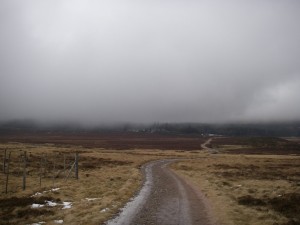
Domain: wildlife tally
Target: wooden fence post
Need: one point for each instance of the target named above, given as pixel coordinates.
(4, 162)
(76, 165)
(65, 165)
(53, 172)
(7, 172)
(20, 163)
(24, 170)
(45, 165)
(41, 171)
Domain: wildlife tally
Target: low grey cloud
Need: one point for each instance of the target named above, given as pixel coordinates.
(149, 61)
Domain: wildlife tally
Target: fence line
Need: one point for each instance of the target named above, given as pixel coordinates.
(23, 164)
(7, 174)
(24, 170)
(4, 161)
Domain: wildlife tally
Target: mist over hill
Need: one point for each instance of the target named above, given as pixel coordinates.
(276, 129)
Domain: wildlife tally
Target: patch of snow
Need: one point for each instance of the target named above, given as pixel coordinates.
(58, 221)
(67, 205)
(104, 210)
(36, 194)
(51, 190)
(39, 223)
(55, 189)
(91, 199)
(34, 206)
(50, 203)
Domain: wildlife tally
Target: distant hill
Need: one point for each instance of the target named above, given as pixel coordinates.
(237, 129)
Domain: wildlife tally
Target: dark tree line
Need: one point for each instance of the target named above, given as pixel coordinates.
(236, 129)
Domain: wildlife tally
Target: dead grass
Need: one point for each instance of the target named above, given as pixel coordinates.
(243, 189)
(107, 180)
(260, 190)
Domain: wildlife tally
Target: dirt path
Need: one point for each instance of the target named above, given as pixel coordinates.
(204, 145)
(165, 199)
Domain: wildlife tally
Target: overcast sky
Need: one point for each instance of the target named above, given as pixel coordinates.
(95, 61)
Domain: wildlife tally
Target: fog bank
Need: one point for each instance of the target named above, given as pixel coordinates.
(149, 61)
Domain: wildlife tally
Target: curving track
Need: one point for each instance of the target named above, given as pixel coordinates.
(165, 199)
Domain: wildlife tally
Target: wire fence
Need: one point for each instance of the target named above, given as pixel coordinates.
(41, 169)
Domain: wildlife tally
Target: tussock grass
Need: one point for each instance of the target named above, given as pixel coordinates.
(243, 189)
(248, 189)
(107, 180)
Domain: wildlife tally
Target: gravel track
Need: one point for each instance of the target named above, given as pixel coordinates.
(165, 199)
